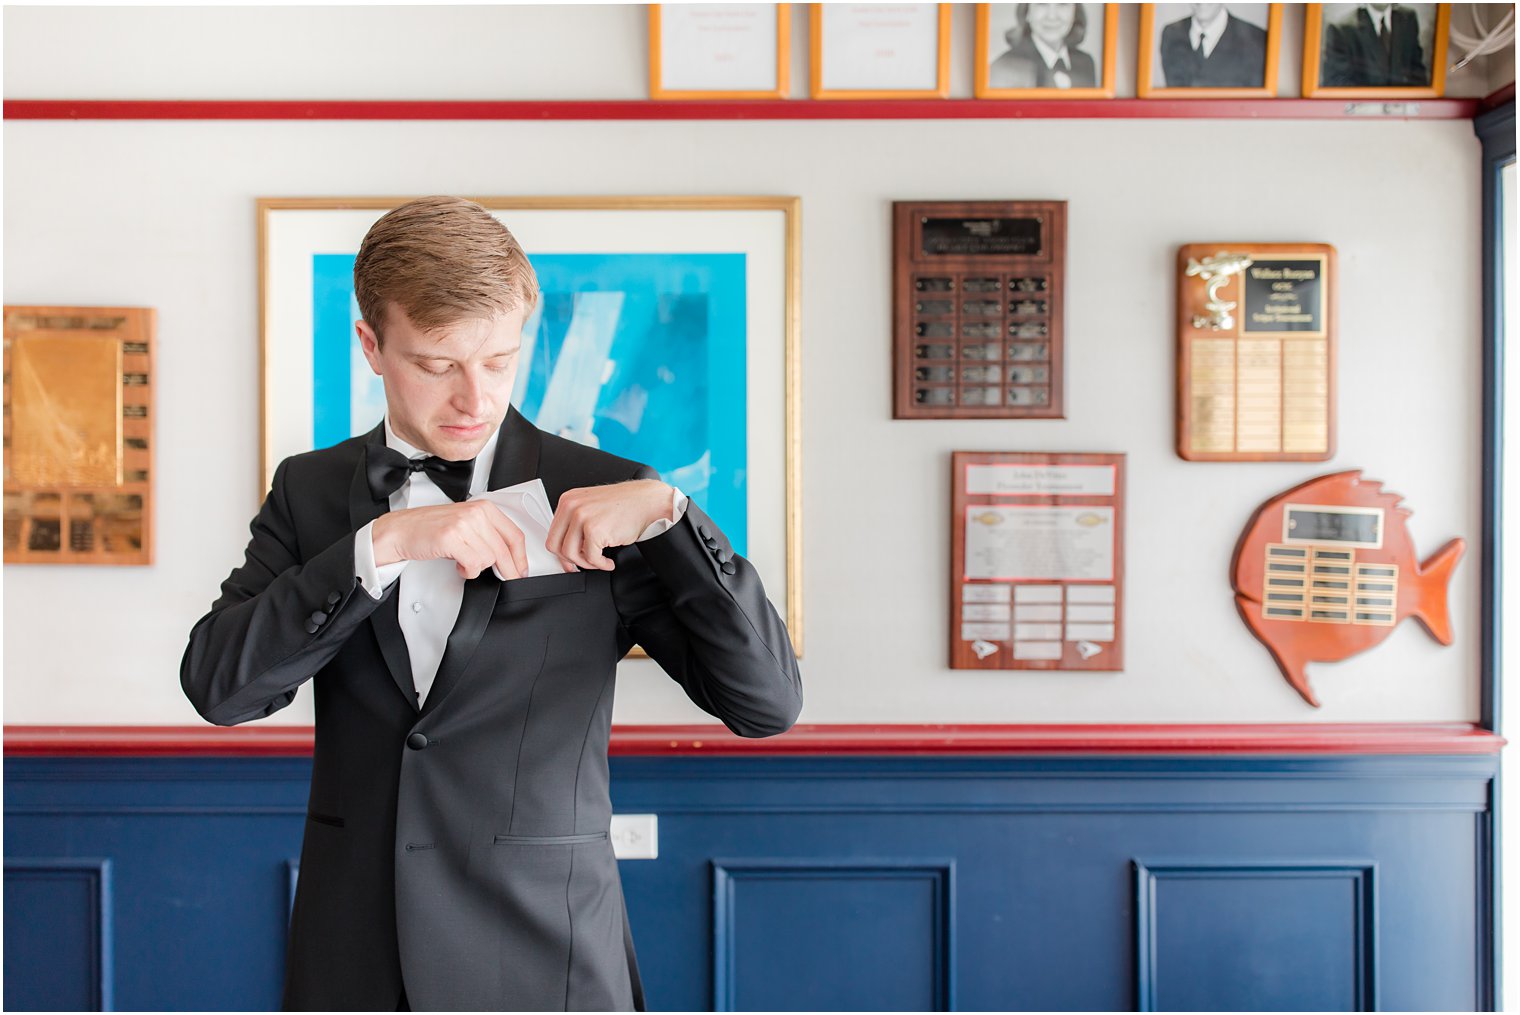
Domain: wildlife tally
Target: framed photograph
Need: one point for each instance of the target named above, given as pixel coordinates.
(667, 331)
(1375, 50)
(1045, 51)
(719, 51)
(1209, 50)
(880, 51)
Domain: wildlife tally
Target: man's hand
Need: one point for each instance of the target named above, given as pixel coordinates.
(474, 534)
(591, 518)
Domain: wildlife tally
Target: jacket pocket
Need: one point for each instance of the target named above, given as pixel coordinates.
(325, 819)
(537, 587)
(549, 840)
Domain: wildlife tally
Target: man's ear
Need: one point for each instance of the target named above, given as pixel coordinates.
(369, 344)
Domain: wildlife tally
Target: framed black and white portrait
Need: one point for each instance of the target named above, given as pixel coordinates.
(1375, 50)
(1046, 51)
(1208, 50)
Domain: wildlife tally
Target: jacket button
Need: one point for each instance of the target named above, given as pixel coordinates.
(317, 617)
(312, 627)
(729, 567)
(702, 531)
(721, 554)
(417, 741)
(332, 598)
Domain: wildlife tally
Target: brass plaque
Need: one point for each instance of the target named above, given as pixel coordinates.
(78, 435)
(1256, 352)
(66, 410)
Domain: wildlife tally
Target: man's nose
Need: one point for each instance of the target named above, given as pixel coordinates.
(470, 395)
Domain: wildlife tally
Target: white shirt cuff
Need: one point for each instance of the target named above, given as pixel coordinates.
(677, 512)
(374, 578)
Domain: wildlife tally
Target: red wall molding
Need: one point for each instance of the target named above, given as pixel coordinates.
(894, 739)
(762, 109)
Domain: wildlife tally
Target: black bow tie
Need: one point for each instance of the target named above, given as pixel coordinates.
(388, 469)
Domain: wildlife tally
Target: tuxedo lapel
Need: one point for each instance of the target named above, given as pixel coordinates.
(363, 508)
(516, 462)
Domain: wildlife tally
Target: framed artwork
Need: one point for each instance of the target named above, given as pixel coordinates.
(1045, 51)
(880, 51)
(719, 51)
(667, 331)
(1375, 50)
(1209, 50)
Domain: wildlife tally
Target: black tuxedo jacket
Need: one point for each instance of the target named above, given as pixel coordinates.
(1238, 59)
(462, 848)
(1354, 57)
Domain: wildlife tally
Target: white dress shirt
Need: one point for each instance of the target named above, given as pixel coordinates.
(1050, 56)
(431, 590)
(1381, 20)
(1210, 32)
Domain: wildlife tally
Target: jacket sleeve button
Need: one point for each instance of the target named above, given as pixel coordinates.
(417, 741)
(312, 627)
(332, 598)
(729, 567)
(317, 618)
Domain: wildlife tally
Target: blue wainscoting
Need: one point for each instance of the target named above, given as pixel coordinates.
(1111, 882)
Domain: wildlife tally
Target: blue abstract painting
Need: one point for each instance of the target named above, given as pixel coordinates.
(641, 355)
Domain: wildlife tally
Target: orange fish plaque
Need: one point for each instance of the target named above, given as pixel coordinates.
(1327, 569)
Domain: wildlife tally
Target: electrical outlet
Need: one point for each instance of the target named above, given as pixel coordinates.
(635, 836)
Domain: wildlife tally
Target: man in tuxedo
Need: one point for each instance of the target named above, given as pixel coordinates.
(1212, 48)
(456, 852)
(1375, 45)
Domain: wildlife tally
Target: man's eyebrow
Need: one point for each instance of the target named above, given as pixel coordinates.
(449, 359)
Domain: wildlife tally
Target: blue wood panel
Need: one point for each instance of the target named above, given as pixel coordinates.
(978, 883)
(1205, 941)
(862, 935)
(58, 934)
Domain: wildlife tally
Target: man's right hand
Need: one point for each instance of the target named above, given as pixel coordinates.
(474, 534)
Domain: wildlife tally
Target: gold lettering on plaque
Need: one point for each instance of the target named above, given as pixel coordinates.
(66, 410)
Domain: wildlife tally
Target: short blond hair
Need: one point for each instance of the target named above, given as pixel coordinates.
(441, 260)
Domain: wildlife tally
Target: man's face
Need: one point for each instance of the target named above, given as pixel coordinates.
(1205, 13)
(447, 391)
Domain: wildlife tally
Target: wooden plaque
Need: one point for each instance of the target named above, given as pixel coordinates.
(1037, 561)
(1256, 352)
(978, 309)
(1328, 569)
(78, 435)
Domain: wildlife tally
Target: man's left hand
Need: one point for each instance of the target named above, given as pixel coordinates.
(590, 518)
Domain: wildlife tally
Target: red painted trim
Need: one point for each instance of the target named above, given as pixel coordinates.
(1496, 98)
(752, 109)
(893, 739)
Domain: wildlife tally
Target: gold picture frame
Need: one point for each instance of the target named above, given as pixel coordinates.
(764, 231)
(1347, 37)
(940, 90)
(658, 50)
(1151, 49)
(988, 68)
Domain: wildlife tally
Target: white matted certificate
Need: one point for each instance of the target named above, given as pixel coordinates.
(880, 51)
(1038, 542)
(704, 51)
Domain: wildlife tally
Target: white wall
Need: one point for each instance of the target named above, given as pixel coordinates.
(162, 214)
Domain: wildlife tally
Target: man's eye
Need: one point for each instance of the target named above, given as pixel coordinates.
(435, 373)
